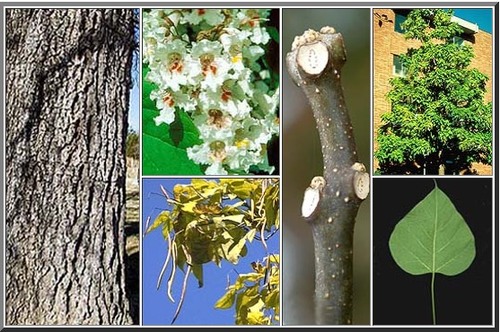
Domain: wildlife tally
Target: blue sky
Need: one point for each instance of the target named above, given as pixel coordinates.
(133, 120)
(134, 104)
(483, 17)
(199, 302)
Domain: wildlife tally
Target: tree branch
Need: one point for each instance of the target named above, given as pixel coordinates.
(315, 64)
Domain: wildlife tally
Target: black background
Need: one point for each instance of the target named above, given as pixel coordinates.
(403, 299)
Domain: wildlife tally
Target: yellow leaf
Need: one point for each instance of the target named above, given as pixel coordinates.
(272, 300)
(273, 258)
(181, 192)
(203, 188)
(251, 234)
(256, 316)
(189, 206)
(199, 183)
(242, 188)
(226, 301)
(250, 297)
(252, 277)
(237, 219)
(163, 218)
(236, 251)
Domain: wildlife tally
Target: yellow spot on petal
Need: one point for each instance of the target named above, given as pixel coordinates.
(237, 58)
(242, 143)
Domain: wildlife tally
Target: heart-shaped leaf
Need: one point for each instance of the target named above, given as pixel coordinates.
(161, 158)
(181, 133)
(433, 238)
(164, 146)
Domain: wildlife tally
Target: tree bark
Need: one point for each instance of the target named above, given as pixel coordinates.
(67, 95)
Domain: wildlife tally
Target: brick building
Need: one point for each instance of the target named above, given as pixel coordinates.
(388, 42)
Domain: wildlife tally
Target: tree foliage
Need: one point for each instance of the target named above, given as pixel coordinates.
(438, 115)
(255, 295)
(132, 145)
(213, 221)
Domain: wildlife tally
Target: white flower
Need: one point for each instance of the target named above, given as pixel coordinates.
(234, 42)
(211, 16)
(214, 66)
(246, 87)
(173, 16)
(233, 37)
(260, 36)
(253, 53)
(215, 169)
(218, 78)
(238, 109)
(215, 125)
(167, 115)
(167, 101)
(224, 99)
(154, 31)
(251, 17)
(268, 104)
(244, 156)
(210, 153)
(172, 67)
(199, 153)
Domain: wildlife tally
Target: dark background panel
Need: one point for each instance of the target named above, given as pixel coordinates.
(403, 299)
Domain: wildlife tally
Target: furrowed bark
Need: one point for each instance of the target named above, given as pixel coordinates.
(315, 64)
(67, 93)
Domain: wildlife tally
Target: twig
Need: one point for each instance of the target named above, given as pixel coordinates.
(314, 64)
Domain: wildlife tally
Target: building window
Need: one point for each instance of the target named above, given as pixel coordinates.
(397, 66)
(399, 20)
(458, 40)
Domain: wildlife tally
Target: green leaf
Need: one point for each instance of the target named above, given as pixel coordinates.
(166, 142)
(274, 33)
(198, 273)
(160, 158)
(147, 87)
(433, 238)
(436, 114)
(181, 133)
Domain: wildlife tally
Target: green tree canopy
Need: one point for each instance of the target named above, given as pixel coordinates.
(438, 118)
(132, 144)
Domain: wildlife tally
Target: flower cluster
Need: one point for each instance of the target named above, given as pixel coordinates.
(208, 63)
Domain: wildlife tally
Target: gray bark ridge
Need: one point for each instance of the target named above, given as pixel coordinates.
(67, 95)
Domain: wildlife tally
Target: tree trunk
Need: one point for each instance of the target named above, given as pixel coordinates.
(67, 95)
